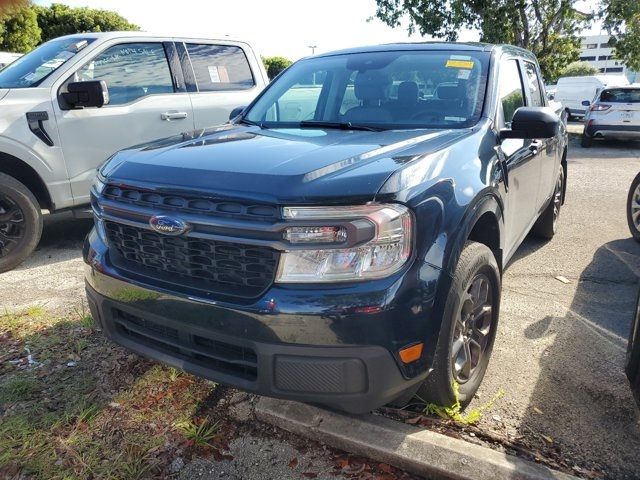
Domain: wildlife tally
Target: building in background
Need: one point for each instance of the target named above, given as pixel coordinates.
(595, 49)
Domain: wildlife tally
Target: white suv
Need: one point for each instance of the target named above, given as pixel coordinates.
(614, 113)
(74, 101)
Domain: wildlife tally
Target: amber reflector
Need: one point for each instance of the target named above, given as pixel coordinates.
(412, 353)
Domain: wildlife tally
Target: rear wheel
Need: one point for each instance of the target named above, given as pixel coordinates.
(20, 222)
(586, 141)
(547, 224)
(633, 208)
(468, 329)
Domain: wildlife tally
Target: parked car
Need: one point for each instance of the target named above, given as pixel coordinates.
(614, 113)
(633, 208)
(76, 100)
(633, 353)
(572, 91)
(348, 252)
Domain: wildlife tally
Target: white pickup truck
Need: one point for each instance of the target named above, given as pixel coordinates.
(74, 101)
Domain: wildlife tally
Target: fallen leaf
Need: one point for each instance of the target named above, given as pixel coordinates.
(293, 463)
(385, 467)
(414, 420)
(548, 439)
(537, 410)
(309, 474)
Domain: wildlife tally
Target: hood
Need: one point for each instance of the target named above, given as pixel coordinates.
(3, 92)
(276, 165)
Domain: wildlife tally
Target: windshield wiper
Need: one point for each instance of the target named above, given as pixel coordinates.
(340, 125)
(251, 122)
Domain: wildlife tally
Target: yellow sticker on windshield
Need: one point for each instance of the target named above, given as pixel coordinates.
(459, 64)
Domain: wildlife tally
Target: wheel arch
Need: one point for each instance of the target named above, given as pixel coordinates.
(26, 175)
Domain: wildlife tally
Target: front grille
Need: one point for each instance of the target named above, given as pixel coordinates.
(191, 204)
(227, 358)
(193, 263)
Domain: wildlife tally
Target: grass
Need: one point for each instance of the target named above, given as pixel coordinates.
(454, 411)
(109, 415)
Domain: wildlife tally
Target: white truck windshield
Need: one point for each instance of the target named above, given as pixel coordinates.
(34, 67)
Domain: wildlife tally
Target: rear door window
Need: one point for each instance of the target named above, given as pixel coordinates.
(510, 88)
(533, 85)
(131, 71)
(220, 67)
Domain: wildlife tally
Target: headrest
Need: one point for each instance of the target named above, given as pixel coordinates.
(371, 86)
(450, 92)
(408, 92)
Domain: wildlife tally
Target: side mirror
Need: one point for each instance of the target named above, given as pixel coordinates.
(550, 96)
(586, 103)
(86, 94)
(532, 122)
(236, 111)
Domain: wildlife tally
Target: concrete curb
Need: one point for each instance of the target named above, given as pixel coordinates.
(422, 452)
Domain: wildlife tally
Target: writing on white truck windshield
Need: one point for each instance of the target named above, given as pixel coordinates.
(34, 67)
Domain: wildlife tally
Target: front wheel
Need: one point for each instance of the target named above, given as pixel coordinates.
(20, 222)
(468, 329)
(633, 208)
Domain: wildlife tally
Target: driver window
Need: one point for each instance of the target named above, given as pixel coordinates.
(131, 71)
(510, 88)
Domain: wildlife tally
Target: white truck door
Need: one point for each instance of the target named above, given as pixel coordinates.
(220, 77)
(146, 102)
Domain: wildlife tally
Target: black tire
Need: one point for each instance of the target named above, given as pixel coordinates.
(20, 222)
(586, 141)
(476, 262)
(633, 205)
(569, 116)
(547, 224)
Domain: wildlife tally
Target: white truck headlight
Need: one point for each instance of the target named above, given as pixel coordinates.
(379, 257)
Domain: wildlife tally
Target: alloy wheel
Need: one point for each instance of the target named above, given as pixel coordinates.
(472, 328)
(635, 207)
(12, 225)
(557, 199)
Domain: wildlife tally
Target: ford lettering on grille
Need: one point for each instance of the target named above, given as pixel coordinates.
(168, 225)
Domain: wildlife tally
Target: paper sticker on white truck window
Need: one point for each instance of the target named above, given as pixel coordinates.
(218, 74)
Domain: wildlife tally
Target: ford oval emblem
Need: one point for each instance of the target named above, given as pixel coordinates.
(168, 225)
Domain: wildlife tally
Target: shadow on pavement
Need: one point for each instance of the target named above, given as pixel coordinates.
(590, 396)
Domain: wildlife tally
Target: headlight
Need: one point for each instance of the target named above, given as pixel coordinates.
(379, 257)
(98, 183)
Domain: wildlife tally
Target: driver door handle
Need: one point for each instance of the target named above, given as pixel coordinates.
(535, 145)
(173, 116)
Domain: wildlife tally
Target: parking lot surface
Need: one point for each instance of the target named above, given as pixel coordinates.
(560, 349)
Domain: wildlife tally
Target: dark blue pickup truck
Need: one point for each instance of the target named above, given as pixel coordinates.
(342, 239)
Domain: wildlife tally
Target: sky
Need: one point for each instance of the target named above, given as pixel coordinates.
(274, 27)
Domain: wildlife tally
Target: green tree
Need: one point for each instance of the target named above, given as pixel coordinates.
(19, 31)
(58, 19)
(549, 28)
(622, 21)
(274, 65)
(578, 69)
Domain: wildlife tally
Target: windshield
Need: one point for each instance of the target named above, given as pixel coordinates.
(32, 68)
(621, 95)
(382, 90)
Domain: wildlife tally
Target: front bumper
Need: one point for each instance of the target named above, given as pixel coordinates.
(336, 346)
